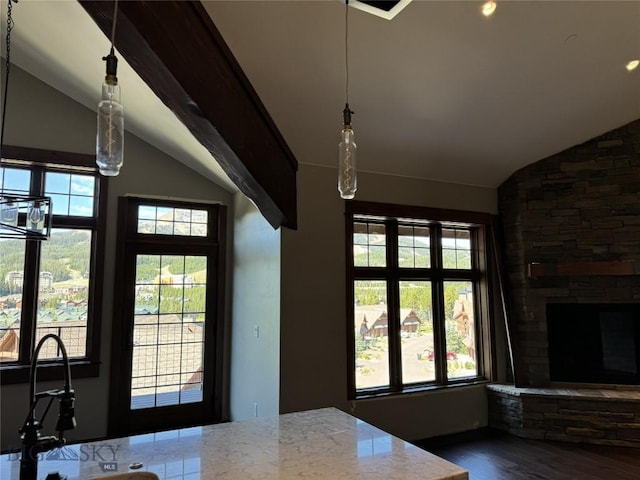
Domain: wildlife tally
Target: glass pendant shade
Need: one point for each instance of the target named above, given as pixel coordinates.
(35, 217)
(8, 212)
(347, 151)
(110, 138)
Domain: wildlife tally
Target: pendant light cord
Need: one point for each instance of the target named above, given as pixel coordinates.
(346, 51)
(113, 26)
(8, 67)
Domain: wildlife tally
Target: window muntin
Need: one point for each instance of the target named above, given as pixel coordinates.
(155, 220)
(369, 244)
(456, 248)
(414, 247)
(34, 300)
(71, 194)
(434, 280)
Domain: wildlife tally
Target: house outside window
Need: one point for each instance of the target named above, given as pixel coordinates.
(417, 292)
(52, 286)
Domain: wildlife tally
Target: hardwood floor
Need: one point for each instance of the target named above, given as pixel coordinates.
(498, 456)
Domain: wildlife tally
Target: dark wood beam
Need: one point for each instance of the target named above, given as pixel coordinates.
(176, 49)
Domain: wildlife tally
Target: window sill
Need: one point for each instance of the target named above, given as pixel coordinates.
(419, 390)
(14, 374)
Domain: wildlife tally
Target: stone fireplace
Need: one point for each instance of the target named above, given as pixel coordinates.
(571, 229)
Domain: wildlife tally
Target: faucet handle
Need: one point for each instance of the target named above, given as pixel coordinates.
(66, 415)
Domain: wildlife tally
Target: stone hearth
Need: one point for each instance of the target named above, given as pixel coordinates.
(605, 416)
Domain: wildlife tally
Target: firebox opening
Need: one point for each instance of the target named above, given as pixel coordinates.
(594, 343)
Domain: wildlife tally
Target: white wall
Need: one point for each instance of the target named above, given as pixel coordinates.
(40, 117)
(313, 324)
(255, 333)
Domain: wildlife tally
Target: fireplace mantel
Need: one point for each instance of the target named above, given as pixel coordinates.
(583, 269)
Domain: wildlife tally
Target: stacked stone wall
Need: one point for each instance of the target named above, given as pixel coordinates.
(582, 206)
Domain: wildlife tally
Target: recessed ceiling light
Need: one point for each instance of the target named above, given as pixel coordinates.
(488, 8)
(632, 65)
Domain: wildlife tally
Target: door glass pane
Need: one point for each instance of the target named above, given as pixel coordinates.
(168, 332)
(371, 334)
(63, 291)
(11, 282)
(416, 332)
(460, 330)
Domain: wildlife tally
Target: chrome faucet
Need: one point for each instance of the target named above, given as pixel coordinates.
(32, 442)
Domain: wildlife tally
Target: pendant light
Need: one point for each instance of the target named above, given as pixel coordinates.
(110, 137)
(347, 153)
(21, 216)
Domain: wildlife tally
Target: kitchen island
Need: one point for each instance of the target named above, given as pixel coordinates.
(315, 444)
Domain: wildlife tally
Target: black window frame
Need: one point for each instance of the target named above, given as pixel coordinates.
(391, 215)
(39, 161)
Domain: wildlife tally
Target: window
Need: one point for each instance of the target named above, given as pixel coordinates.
(167, 354)
(52, 286)
(417, 298)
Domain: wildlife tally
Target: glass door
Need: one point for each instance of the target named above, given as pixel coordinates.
(167, 367)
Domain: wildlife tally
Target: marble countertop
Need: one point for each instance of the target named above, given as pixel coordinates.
(316, 444)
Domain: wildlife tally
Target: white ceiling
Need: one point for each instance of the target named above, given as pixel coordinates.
(439, 92)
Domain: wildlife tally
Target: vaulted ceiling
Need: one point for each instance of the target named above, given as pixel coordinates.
(439, 92)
